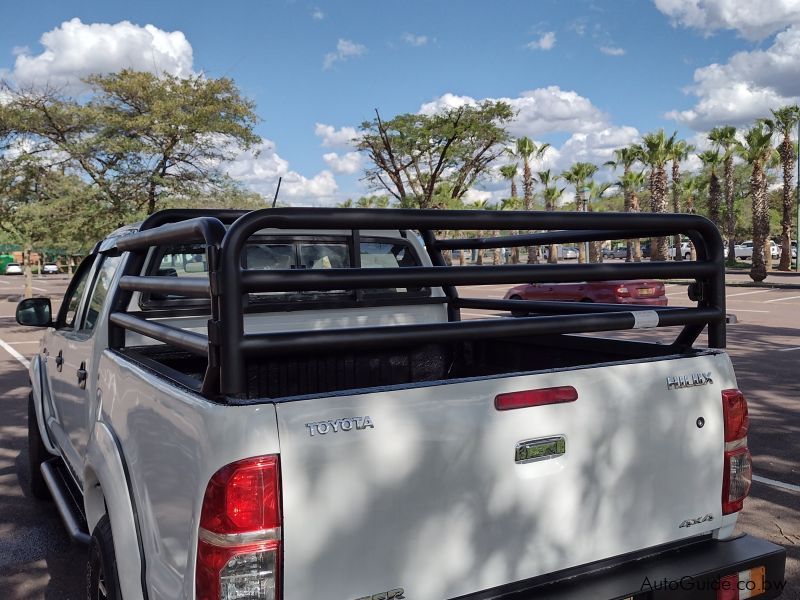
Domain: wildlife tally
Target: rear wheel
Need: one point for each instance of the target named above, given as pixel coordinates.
(37, 454)
(518, 313)
(102, 582)
(687, 256)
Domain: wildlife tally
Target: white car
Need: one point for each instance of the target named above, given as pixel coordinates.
(50, 269)
(13, 269)
(686, 250)
(745, 250)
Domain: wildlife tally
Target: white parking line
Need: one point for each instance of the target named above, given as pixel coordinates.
(786, 486)
(25, 342)
(782, 299)
(5, 282)
(22, 360)
(788, 349)
(748, 293)
(749, 310)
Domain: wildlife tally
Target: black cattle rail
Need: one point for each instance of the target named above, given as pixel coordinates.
(227, 345)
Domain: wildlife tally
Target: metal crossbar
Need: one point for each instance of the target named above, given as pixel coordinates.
(227, 346)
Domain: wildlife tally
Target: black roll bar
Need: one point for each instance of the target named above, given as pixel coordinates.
(227, 346)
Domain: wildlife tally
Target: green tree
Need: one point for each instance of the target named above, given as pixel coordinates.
(657, 150)
(594, 193)
(680, 151)
(413, 154)
(786, 119)
(578, 175)
(551, 193)
(626, 157)
(756, 150)
(725, 140)
(632, 183)
(526, 150)
(711, 160)
(509, 173)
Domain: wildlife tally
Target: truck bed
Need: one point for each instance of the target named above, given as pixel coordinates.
(325, 373)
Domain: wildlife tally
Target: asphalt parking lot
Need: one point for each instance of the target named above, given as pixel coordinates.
(38, 561)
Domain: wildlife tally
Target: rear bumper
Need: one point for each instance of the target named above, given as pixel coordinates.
(688, 573)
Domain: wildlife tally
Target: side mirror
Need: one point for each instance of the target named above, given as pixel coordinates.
(35, 312)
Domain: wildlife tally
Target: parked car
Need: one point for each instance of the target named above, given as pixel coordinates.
(686, 250)
(50, 269)
(13, 269)
(225, 414)
(638, 291)
(564, 252)
(618, 252)
(745, 250)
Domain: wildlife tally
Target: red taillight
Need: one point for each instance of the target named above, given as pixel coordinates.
(737, 473)
(622, 291)
(239, 541)
(734, 409)
(540, 397)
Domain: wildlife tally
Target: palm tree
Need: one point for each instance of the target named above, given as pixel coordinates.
(631, 183)
(725, 139)
(509, 172)
(691, 187)
(526, 149)
(786, 119)
(577, 176)
(657, 148)
(756, 150)
(712, 160)
(680, 152)
(625, 158)
(595, 191)
(512, 203)
(551, 195)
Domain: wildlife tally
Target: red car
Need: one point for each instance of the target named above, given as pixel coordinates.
(635, 291)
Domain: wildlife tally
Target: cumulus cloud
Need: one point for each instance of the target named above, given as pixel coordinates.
(415, 40)
(539, 111)
(74, 50)
(753, 20)
(545, 42)
(612, 50)
(595, 146)
(747, 86)
(335, 138)
(345, 164)
(260, 169)
(345, 49)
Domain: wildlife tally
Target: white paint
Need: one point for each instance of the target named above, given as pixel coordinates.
(788, 349)
(21, 359)
(782, 299)
(748, 293)
(751, 310)
(786, 486)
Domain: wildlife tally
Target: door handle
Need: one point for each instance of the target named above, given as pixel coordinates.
(60, 360)
(82, 376)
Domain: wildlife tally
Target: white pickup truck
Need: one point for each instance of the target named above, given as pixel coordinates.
(286, 404)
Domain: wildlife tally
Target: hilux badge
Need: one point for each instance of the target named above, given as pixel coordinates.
(692, 380)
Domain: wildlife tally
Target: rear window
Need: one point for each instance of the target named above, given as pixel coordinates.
(296, 253)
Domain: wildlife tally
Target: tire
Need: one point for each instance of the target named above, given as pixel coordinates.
(102, 581)
(518, 313)
(687, 256)
(586, 300)
(37, 454)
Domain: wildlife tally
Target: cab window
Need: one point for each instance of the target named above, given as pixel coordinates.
(102, 285)
(72, 300)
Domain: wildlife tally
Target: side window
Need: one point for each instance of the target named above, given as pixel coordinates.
(102, 285)
(72, 300)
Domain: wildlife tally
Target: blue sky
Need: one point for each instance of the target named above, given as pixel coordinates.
(586, 76)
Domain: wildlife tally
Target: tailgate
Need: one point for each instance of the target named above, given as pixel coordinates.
(431, 498)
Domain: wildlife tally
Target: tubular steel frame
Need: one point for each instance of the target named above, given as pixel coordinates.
(227, 345)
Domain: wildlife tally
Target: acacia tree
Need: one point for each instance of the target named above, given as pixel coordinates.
(786, 119)
(756, 150)
(138, 137)
(413, 154)
(724, 139)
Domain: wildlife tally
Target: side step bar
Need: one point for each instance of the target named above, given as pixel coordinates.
(67, 498)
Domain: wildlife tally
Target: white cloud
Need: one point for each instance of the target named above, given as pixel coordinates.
(752, 19)
(612, 50)
(346, 164)
(74, 50)
(335, 138)
(260, 169)
(545, 42)
(415, 40)
(747, 86)
(317, 14)
(596, 146)
(344, 49)
(539, 111)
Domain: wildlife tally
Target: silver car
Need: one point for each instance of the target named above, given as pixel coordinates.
(13, 269)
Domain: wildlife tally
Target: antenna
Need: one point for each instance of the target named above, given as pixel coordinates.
(277, 189)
